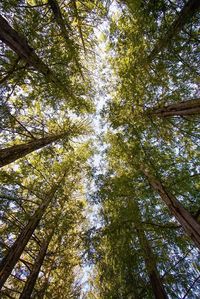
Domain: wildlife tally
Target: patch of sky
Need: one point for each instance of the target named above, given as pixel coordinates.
(102, 76)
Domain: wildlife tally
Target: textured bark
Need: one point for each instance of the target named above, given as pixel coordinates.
(15, 152)
(189, 107)
(149, 258)
(189, 224)
(188, 11)
(30, 283)
(19, 45)
(15, 251)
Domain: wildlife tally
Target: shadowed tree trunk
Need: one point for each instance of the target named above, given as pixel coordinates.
(189, 224)
(19, 45)
(188, 11)
(15, 152)
(149, 258)
(30, 283)
(79, 24)
(59, 20)
(62, 24)
(15, 251)
(190, 107)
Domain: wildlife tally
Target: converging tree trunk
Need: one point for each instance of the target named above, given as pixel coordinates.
(188, 11)
(15, 251)
(189, 107)
(30, 283)
(19, 44)
(47, 279)
(59, 20)
(63, 24)
(15, 152)
(189, 224)
(149, 258)
(78, 19)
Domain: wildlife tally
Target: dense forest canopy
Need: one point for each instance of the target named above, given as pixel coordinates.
(99, 152)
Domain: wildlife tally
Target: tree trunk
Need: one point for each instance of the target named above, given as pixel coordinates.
(188, 11)
(189, 224)
(156, 282)
(46, 283)
(15, 251)
(59, 19)
(15, 152)
(79, 24)
(62, 24)
(30, 283)
(149, 258)
(189, 107)
(19, 44)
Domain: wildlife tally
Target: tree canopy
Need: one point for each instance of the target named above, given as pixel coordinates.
(99, 155)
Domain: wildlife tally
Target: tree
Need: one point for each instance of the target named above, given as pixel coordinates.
(185, 15)
(11, 154)
(190, 225)
(8, 263)
(108, 216)
(189, 107)
(30, 283)
(20, 45)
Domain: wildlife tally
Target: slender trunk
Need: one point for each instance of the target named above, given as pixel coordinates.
(46, 282)
(189, 224)
(59, 19)
(79, 24)
(62, 24)
(188, 11)
(15, 251)
(15, 152)
(149, 258)
(156, 282)
(30, 283)
(189, 107)
(19, 45)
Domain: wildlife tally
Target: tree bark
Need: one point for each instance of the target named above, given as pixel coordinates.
(30, 283)
(15, 251)
(189, 107)
(149, 258)
(19, 45)
(189, 224)
(188, 11)
(15, 152)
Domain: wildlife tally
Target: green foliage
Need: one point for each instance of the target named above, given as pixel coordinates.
(134, 233)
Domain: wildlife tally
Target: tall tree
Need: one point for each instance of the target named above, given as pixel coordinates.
(188, 11)
(189, 107)
(190, 225)
(20, 45)
(155, 279)
(11, 154)
(30, 283)
(10, 260)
